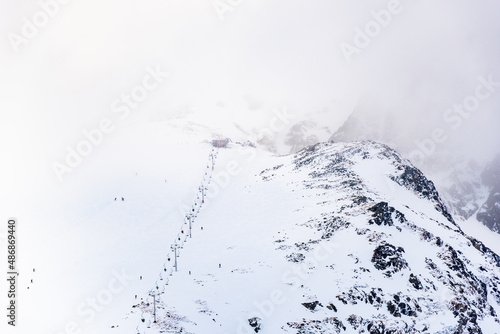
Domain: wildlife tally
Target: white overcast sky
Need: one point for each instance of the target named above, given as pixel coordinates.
(282, 52)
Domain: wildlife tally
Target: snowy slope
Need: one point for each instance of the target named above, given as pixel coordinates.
(305, 244)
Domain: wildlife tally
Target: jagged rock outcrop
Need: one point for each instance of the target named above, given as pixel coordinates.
(383, 215)
(389, 259)
(255, 323)
(312, 305)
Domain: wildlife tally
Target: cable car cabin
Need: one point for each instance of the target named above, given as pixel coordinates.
(220, 143)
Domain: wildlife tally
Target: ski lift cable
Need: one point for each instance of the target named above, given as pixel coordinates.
(212, 158)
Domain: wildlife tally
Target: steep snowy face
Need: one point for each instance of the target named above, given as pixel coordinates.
(400, 264)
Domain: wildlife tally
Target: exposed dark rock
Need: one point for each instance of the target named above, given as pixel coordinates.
(485, 250)
(388, 257)
(312, 305)
(331, 307)
(355, 321)
(383, 214)
(381, 326)
(426, 235)
(361, 200)
(453, 261)
(376, 327)
(413, 179)
(439, 241)
(296, 257)
(415, 282)
(374, 297)
(327, 325)
(302, 246)
(331, 225)
(255, 323)
(403, 305)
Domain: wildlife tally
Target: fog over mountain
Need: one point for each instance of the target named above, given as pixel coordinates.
(279, 53)
(101, 100)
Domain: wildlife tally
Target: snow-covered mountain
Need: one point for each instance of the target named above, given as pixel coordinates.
(337, 238)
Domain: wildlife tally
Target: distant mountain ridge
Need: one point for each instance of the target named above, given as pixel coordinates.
(489, 213)
(468, 188)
